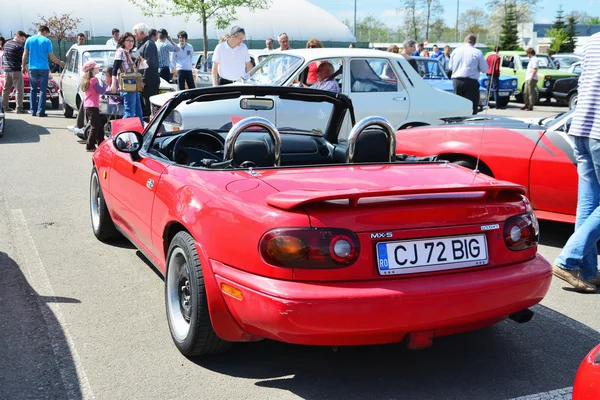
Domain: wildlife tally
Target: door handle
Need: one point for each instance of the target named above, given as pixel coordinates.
(400, 98)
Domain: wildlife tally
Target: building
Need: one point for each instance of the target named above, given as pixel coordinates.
(534, 35)
(300, 19)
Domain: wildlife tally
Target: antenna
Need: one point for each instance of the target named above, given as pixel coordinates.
(489, 88)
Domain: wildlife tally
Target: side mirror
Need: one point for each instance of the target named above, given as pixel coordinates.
(128, 142)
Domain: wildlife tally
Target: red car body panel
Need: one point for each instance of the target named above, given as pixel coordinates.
(227, 212)
(51, 92)
(540, 161)
(587, 381)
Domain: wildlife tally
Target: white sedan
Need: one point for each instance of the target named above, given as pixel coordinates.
(379, 83)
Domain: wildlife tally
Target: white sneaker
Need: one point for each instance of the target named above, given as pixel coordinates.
(71, 128)
(75, 130)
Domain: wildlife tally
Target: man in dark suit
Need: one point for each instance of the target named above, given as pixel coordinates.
(148, 51)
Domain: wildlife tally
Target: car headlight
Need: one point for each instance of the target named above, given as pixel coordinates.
(482, 95)
(486, 83)
(50, 84)
(514, 83)
(547, 83)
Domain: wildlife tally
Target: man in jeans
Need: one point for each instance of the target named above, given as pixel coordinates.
(493, 74)
(13, 77)
(577, 264)
(35, 61)
(531, 79)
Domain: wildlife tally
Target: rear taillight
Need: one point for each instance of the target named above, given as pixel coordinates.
(521, 232)
(309, 248)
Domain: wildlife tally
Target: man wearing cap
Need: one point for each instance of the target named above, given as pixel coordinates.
(231, 59)
(165, 46)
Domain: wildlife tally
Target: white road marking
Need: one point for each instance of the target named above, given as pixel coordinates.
(558, 394)
(35, 273)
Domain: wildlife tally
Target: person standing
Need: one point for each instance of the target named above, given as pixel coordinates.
(418, 50)
(269, 43)
(493, 74)
(35, 61)
(183, 62)
(445, 60)
(231, 59)
(147, 50)
(80, 42)
(409, 48)
(124, 63)
(313, 66)
(93, 88)
(466, 63)
(284, 42)
(13, 77)
(577, 263)
(531, 80)
(165, 46)
(114, 40)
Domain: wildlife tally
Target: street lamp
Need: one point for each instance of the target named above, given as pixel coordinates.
(355, 20)
(457, 6)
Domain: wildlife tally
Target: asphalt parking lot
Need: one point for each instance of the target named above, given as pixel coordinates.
(82, 319)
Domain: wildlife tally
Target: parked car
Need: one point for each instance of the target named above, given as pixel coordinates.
(576, 68)
(564, 61)
(508, 87)
(565, 91)
(587, 380)
(51, 91)
(536, 153)
(72, 74)
(402, 97)
(514, 63)
(203, 70)
(267, 229)
(2, 118)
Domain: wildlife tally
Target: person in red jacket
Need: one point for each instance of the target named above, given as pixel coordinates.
(493, 74)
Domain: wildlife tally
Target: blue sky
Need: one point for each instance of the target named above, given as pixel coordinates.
(386, 9)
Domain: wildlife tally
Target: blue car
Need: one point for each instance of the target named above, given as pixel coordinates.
(433, 73)
(508, 85)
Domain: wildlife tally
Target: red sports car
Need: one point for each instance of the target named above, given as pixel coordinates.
(51, 92)
(587, 381)
(534, 153)
(291, 234)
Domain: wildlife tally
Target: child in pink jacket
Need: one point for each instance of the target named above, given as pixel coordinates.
(93, 88)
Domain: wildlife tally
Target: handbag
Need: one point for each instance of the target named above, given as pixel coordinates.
(130, 81)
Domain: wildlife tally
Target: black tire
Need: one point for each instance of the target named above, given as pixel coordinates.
(471, 165)
(464, 163)
(186, 302)
(67, 111)
(102, 224)
(86, 131)
(502, 101)
(519, 97)
(2, 123)
(55, 103)
(573, 100)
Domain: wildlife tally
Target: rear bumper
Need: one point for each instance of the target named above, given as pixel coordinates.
(381, 311)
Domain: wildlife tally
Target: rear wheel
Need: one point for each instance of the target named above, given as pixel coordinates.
(67, 111)
(2, 123)
(502, 101)
(470, 164)
(573, 100)
(102, 223)
(55, 103)
(186, 301)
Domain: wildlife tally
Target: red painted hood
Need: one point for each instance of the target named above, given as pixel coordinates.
(299, 187)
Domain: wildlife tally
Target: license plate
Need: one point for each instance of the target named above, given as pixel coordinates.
(503, 94)
(432, 254)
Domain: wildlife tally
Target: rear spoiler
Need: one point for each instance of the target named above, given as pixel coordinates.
(292, 199)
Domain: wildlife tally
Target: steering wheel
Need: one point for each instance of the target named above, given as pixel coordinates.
(186, 139)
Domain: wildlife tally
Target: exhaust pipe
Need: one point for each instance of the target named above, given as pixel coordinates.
(522, 316)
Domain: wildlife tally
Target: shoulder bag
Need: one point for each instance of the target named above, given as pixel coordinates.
(130, 81)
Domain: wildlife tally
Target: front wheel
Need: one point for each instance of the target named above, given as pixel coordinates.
(55, 103)
(102, 224)
(502, 101)
(186, 301)
(67, 111)
(573, 101)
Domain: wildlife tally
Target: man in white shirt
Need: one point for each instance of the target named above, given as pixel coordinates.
(114, 40)
(531, 80)
(231, 59)
(269, 44)
(466, 63)
(80, 42)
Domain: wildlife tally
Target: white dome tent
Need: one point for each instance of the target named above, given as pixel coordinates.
(300, 19)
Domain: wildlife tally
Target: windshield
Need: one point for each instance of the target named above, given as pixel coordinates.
(431, 69)
(104, 57)
(544, 62)
(274, 70)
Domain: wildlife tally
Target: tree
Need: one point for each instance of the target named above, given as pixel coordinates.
(222, 12)
(62, 27)
(593, 21)
(559, 22)
(372, 29)
(509, 37)
(524, 11)
(571, 32)
(474, 21)
(431, 7)
(437, 29)
(413, 18)
(558, 40)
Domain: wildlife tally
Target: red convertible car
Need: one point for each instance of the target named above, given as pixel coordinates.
(288, 233)
(587, 381)
(535, 153)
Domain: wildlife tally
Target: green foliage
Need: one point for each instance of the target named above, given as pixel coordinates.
(62, 27)
(372, 29)
(593, 21)
(558, 40)
(509, 37)
(571, 32)
(221, 12)
(474, 21)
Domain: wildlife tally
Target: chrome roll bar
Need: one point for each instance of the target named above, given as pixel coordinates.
(249, 122)
(367, 123)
